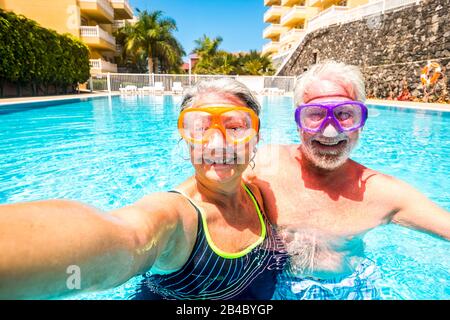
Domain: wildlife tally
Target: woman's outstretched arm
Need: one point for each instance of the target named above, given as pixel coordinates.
(61, 247)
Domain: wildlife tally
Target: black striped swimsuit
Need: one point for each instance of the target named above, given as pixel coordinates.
(213, 274)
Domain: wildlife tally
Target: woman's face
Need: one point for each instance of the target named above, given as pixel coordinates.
(217, 158)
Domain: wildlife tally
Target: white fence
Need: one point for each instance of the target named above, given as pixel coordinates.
(337, 14)
(258, 84)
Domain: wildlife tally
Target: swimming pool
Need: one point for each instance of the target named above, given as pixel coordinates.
(109, 152)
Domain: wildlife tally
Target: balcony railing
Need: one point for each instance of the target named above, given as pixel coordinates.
(99, 65)
(273, 30)
(326, 17)
(290, 3)
(274, 13)
(297, 14)
(104, 4)
(97, 32)
(126, 6)
(117, 24)
(270, 47)
(272, 2)
(292, 35)
(313, 3)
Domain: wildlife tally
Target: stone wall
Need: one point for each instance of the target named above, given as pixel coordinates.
(391, 49)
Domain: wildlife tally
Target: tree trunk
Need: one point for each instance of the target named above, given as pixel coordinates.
(150, 64)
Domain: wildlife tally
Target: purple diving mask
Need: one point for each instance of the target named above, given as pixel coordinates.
(346, 115)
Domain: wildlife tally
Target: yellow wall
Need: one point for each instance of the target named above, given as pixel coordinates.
(355, 3)
(59, 15)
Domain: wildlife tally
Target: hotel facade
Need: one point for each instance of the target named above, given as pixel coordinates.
(92, 21)
(288, 22)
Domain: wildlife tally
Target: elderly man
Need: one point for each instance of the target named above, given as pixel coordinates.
(325, 202)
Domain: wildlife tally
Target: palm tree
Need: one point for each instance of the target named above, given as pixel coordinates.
(153, 36)
(210, 58)
(207, 47)
(253, 63)
(134, 61)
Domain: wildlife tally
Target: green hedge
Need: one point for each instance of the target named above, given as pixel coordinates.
(31, 55)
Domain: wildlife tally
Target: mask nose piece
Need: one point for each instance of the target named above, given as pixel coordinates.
(330, 131)
(216, 139)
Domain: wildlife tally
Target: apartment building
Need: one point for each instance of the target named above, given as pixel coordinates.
(92, 21)
(288, 21)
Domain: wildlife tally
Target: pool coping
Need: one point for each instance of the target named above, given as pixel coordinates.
(410, 105)
(28, 100)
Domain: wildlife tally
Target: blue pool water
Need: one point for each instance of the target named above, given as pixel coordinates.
(110, 152)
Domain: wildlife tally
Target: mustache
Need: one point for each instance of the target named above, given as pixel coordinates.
(222, 156)
(329, 140)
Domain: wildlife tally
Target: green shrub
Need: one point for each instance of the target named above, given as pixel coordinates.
(31, 55)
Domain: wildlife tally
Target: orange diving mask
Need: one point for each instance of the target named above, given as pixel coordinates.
(237, 124)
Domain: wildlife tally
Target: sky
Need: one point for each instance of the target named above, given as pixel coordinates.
(238, 22)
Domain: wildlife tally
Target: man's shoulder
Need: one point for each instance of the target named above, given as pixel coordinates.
(381, 182)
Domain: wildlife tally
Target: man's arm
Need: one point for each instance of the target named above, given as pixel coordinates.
(39, 241)
(415, 210)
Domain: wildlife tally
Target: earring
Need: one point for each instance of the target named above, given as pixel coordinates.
(252, 162)
(183, 152)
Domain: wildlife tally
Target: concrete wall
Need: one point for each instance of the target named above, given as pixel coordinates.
(391, 49)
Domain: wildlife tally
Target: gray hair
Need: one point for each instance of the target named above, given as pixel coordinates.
(331, 70)
(221, 85)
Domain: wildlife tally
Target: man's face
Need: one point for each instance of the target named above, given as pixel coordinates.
(329, 148)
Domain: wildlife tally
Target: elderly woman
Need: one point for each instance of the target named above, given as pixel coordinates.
(207, 239)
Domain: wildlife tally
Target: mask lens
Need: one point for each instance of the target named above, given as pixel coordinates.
(312, 117)
(196, 124)
(348, 115)
(238, 125)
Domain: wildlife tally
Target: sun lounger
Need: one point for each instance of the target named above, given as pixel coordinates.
(177, 88)
(128, 89)
(145, 89)
(158, 88)
(273, 91)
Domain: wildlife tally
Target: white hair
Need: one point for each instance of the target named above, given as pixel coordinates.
(338, 72)
(221, 85)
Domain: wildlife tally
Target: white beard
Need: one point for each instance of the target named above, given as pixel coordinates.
(328, 161)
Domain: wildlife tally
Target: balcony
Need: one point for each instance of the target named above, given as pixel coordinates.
(324, 4)
(270, 48)
(122, 9)
(102, 66)
(327, 17)
(99, 10)
(297, 15)
(98, 38)
(118, 24)
(293, 35)
(272, 2)
(290, 3)
(273, 31)
(274, 14)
